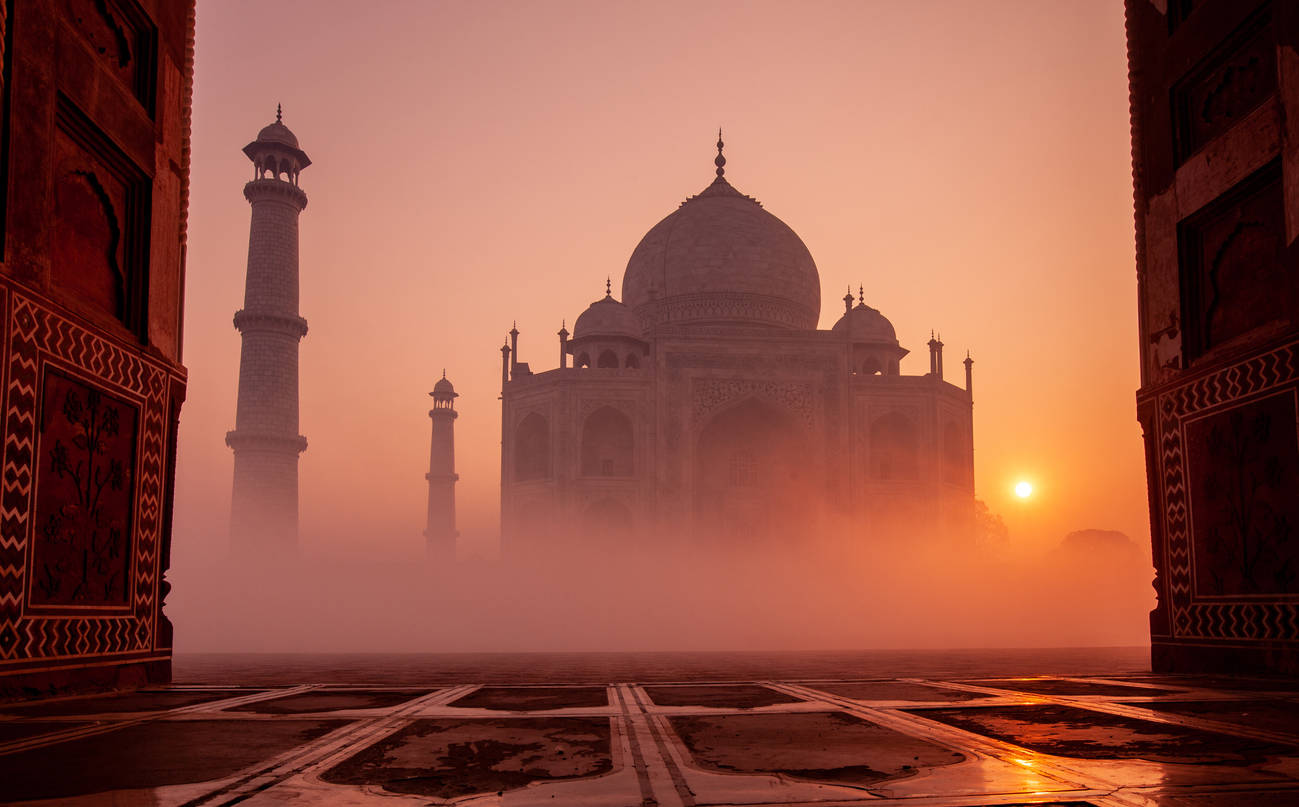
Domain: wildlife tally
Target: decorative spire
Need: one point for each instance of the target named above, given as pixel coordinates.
(279, 112)
(861, 295)
(444, 372)
(720, 162)
(608, 286)
(847, 299)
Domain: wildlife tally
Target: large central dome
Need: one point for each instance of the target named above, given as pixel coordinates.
(721, 259)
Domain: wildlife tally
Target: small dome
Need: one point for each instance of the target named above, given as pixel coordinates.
(443, 387)
(278, 133)
(607, 317)
(866, 324)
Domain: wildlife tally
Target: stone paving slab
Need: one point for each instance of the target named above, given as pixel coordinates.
(895, 691)
(1065, 686)
(726, 696)
(1072, 732)
(447, 759)
(331, 701)
(149, 755)
(1136, 741)
(530, 699)
(142, 701)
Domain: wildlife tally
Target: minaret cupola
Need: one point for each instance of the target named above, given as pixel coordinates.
(275, 153)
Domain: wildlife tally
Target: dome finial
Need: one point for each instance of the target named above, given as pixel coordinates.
(720, 162)
(861, 295)
(444, 372)
(608, 286)
(279, 112)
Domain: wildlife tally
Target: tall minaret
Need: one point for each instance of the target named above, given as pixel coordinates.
(264, 504)
(441, 531)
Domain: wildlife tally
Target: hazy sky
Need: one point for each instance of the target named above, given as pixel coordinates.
(476, 163)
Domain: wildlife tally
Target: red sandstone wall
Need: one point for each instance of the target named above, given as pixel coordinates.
(94, 165)
(1215, 102)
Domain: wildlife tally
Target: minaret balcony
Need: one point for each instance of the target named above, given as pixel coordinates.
(265, 321)
(245, 440)
(270, 188)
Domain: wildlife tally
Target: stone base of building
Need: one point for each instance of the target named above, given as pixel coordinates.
(50, 682)
(1269, 658)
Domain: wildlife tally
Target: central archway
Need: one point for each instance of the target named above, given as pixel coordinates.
(750, 474)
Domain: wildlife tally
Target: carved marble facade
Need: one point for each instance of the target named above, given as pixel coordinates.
(707, 407)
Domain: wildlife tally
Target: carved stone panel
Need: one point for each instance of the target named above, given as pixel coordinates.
(711, 394)
(85, 474)
(1241, 465)
(1227, 427)
(1223, 90)
(1234, 273)
(124, 39)
(99, 230)
(83, 487)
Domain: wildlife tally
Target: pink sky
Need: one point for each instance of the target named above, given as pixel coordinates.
(479, 163)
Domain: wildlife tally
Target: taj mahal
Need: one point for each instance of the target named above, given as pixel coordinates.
(704, 405)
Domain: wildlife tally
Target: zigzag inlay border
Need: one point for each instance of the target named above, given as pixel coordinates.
(1243, 620)
(33, 334)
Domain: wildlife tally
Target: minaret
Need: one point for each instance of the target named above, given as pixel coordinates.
(266, 442)
(969, 374)
(441, 530)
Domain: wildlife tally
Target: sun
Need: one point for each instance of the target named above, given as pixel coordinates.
(1023, 489)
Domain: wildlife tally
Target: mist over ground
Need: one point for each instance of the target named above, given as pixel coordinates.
(836, 592)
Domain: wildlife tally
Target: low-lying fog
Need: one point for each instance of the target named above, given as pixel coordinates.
(850, 592)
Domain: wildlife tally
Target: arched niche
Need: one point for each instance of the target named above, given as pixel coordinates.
(532, 448)
(608, 445)
(894, 450)
(607, 359)
(955, 466)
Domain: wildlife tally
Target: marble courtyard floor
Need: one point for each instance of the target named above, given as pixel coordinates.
(1104, 741)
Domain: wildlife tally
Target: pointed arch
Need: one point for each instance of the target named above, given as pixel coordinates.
(894, 449)
(532, 448)
(607, 359)
(955, 452)
(608, 444)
